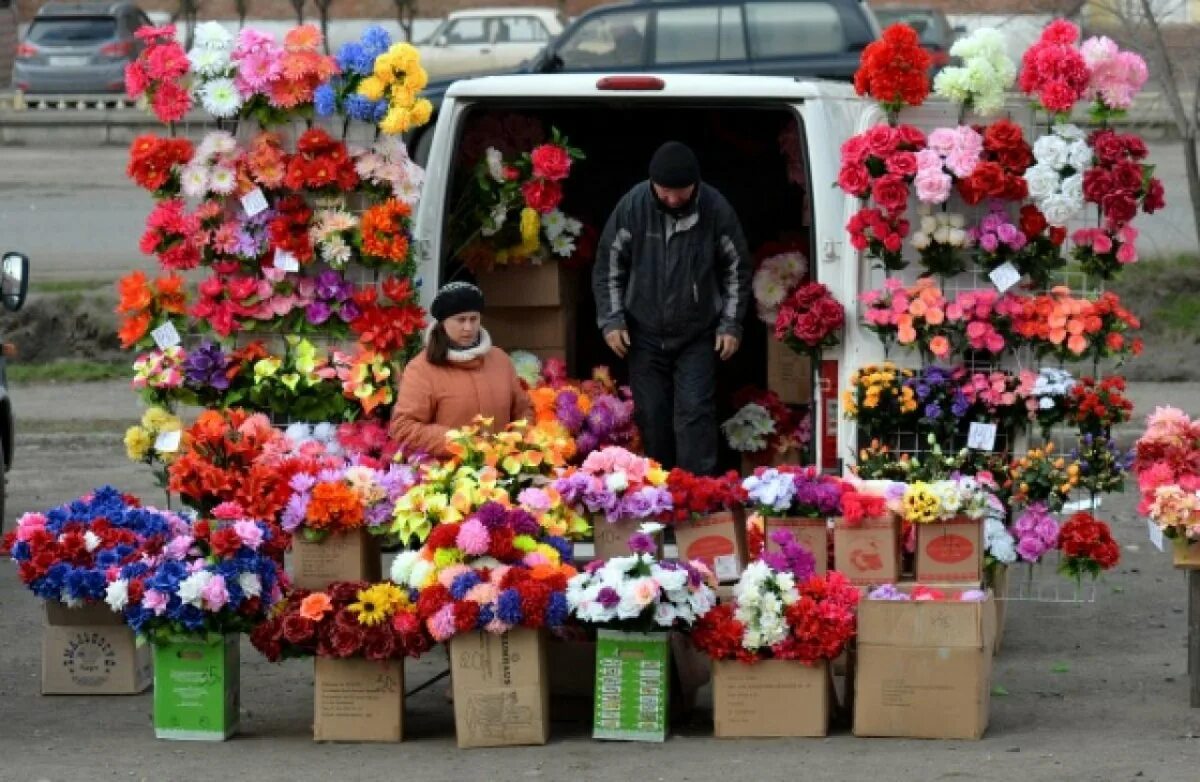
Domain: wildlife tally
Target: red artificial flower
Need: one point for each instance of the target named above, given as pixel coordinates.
(895, 69)
(542, 195)
(550, 161)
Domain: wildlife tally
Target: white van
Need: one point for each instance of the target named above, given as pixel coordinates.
(770, 145)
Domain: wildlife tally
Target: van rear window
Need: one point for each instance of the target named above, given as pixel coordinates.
(794, 29)
(72, 30)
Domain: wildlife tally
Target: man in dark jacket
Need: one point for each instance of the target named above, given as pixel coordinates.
(672, 283)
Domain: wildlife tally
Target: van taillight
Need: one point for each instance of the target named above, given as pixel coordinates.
(118, 49)
(631, 83)
(26, 50)
(939, 57)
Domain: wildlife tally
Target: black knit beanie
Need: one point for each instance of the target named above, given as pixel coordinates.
(674, 165)
(455, 298)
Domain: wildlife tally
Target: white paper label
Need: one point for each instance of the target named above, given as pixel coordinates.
(1005, 276)
(981, 437)
(286, 262)
(165, 336)
(168, 442)
(254, 202)
(1156, 535)
(1078, 505)
(726, 568)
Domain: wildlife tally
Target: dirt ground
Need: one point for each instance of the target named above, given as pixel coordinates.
(1095, 690)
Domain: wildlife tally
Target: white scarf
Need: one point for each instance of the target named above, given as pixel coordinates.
(463, 355)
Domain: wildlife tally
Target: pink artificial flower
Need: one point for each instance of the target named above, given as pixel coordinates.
(473, 538)
(249, 533)
(229, 511)
(643, 591)
(215, 594)
(155, 601)
(28, 524)
(933, 186)
(441, 625)
(483, 594)
(178, 547)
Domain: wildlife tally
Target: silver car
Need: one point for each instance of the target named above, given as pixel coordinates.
(78, 48)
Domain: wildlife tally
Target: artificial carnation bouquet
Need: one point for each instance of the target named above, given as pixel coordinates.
(639, 593)
(1167, 466)
(781, 611)
(696, 496)
(617, 485)
(348, 619)
(66, 553)
(775, 279)
(212, 576)
(764, 427)
(495, 571)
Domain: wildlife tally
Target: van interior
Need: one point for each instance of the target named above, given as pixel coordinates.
(752, 155)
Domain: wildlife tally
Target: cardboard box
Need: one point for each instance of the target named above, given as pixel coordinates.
(868, 554)
(501, 688)
(813, 534)
(197, 687)
(612, 540)
(1186, 555)
(772, 459)
(718, 540)
(349, 556)
(633, 677)
(924, 669)
(770, 698)
(571, 666)
(544, 285)
(358, 700)
(531, 328)
(950, 551)
(91, 651)
(789, 374)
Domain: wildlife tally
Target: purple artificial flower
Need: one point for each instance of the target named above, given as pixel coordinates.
(608, 597)
(294, 512)
(792, 557)
(523, 522)
(888, 592)
(491, 515)
(207, 365)
(641, 543)
(349, 311)
(318, 312)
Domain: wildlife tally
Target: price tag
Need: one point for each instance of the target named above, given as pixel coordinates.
(1156, 535)
(1005, 276)
(1078, 505)
(981, 437)
(165, 336)
(726, 568)
(254, 202)
(168, 442)
(286, 262)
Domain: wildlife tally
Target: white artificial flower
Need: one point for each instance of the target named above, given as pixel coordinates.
(563, 246)
(573, 227)
(209, 62)
(929, 224)
(1059, 209)
(221, 98)
(651, 527)
(669, 580)
(222, 180)
(407, 191)
(91, 541)
(920, 241)
(1070, 132)
(616, 481)
(194, 181)
(213, 35)
(665, 614)
(958, 237)
(117, 594)
(553, 224)
(191, 588)
(250, 584)
(1080, 156)
(325, 432)
(402, 568)
(620, 565)
(1051, 150)
(942, 235)
(1072, 188)
(495, 164)
(1043, 181)
(421, 571)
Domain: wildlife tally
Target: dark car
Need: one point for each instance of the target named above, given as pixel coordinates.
(820, 39)
(78, 48)
(936, 32)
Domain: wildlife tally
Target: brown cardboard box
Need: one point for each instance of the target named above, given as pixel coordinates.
(789, 374)
(545, 285)
(501, 689)
(867, 554)
(770, 698)
(531, 328)
(349, 556)
(813, 534)
(1186, 555)
(90, 651)
(950, 551)
(358, 700)
(924, 669)
(612, 540)
(718, 541)
(773, 459)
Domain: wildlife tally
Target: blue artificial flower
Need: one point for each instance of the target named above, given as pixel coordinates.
(462, 584)
(556, 610)
(190, 617)
(508, 607)
(360, 108)
(486, 615)
(20, 551)
(349, 55)
(564, 547)
(375, 41)
(381, 110)
(933, 411)
(324, 100)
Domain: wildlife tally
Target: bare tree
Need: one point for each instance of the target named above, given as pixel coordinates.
(298, 7)
(323, 13)
(243, 10)
(406, 11)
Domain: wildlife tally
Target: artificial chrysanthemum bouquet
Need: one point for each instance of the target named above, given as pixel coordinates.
(345, 498)
(66, 553)
(495, 571)
(781, 610)
(348, 619)
(639, 593)
(617, 485)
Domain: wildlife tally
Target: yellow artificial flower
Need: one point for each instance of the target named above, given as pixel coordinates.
(156, 418)
(137, 443)
(370, 609)
(390, 595)
(445, 557)
(265, 368)
(396, 121)
(921, 505)
(372, 88)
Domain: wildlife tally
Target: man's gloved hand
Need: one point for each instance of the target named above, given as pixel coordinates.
(727, 345)
(618, 341)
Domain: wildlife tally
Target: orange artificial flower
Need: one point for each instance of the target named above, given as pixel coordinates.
(385, 231)
(133, 329)
(135, 293)
(315, 606)
(171, 296)
(334, 506)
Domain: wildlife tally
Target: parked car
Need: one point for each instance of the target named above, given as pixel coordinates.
(78, 48)
(14, 284)
(936, 32)
(8, 40)
(820, 39)
(488, 39)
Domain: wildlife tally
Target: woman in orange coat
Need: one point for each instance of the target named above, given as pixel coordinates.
(459, 375)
